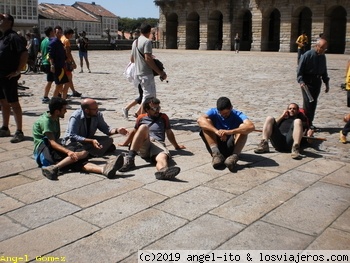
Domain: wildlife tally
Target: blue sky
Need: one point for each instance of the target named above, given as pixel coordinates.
(122, 8)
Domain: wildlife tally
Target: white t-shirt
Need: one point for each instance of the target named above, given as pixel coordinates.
(145, 47)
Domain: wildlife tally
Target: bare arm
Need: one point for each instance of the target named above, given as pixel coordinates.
(171, 138)
(206, 124)
(128, 139)
(245, 128)
(56, 146)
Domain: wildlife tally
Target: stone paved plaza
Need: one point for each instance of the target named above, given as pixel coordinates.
(272, 202)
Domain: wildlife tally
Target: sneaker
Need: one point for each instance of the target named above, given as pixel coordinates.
(18, 137)
(168, 173)
(295, 152)
(125, 113)
(231, 162)
(5, 133)
(81, 71)
(218, 160)
(342, 137)
(129, 164)
(113, 166)
(263, 147)
(45, 100)
(50, 172)
(89, 71)
(76, 94)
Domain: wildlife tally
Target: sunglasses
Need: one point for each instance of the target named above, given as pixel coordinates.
(155, 108)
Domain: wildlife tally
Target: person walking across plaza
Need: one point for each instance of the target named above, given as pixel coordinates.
(57, 58)
(302, 42)
(148, 140)
(224, 131)
(312, 70)
(141, 55)
(13, 57)
(44, 48)
(53, 157)
(70, 64)
(83, 44)
(84, 123)
(237, 43)
(286, 132)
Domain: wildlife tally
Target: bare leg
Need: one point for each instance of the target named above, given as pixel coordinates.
(162, 161)
(5, 109)
(17, 113)
(47, 88)
(297, 131)
(267, 128)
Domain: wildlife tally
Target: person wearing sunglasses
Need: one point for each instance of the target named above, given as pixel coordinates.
(311, 72)
(148, 140)
(285, 132)
(13, 57)
(224, 131)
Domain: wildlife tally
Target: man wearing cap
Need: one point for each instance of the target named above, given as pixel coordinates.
(13, 57)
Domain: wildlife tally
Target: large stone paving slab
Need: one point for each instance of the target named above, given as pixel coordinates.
(311, 211)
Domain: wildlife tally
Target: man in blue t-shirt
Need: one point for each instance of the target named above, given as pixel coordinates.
(224, 131)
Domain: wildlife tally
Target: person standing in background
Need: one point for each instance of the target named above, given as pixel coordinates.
(237, 42)
(13, 57)
(44, 48)
(83, 43)
(302, 42)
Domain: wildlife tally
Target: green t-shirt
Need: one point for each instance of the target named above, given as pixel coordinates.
(44, 48)
(43, 125)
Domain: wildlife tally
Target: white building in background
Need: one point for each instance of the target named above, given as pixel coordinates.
(25, 13)
(90, 17)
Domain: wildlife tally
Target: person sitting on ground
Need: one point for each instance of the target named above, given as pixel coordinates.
(148, 140)
(84, 123)
(344, 132)
(52, 157)
(224, 131)
(286, 132)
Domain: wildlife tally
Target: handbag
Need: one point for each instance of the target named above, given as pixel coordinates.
(158, 63)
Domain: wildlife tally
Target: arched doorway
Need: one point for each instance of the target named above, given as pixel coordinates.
(336, 23)
(301, 21)
(247, 35)
(271, 31)
(215, 25)
(192, 31)
(171, 31)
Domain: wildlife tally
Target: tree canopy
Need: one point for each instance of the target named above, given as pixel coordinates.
(131, 24)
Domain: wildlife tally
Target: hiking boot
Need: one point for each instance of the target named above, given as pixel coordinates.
(125, 113)
(295, 152)
(263, 147)
(342, 137)
(5, 133)
(167, 173)
(218, 160)
(18, 137)
(113, 166)
(76, 94)
(231, 162)
(129, 164)
(50, 172)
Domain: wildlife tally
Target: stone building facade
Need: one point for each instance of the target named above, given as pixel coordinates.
(264, 25)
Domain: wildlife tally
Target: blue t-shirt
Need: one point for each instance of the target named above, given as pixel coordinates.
(233, 121)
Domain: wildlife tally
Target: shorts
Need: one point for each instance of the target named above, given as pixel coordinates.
(60, 76)
(148, 86)
(226, 148)
(49, 75)
(46, 156)
(282, 142)
(83, 54)
(151, 148)
(9, 89)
